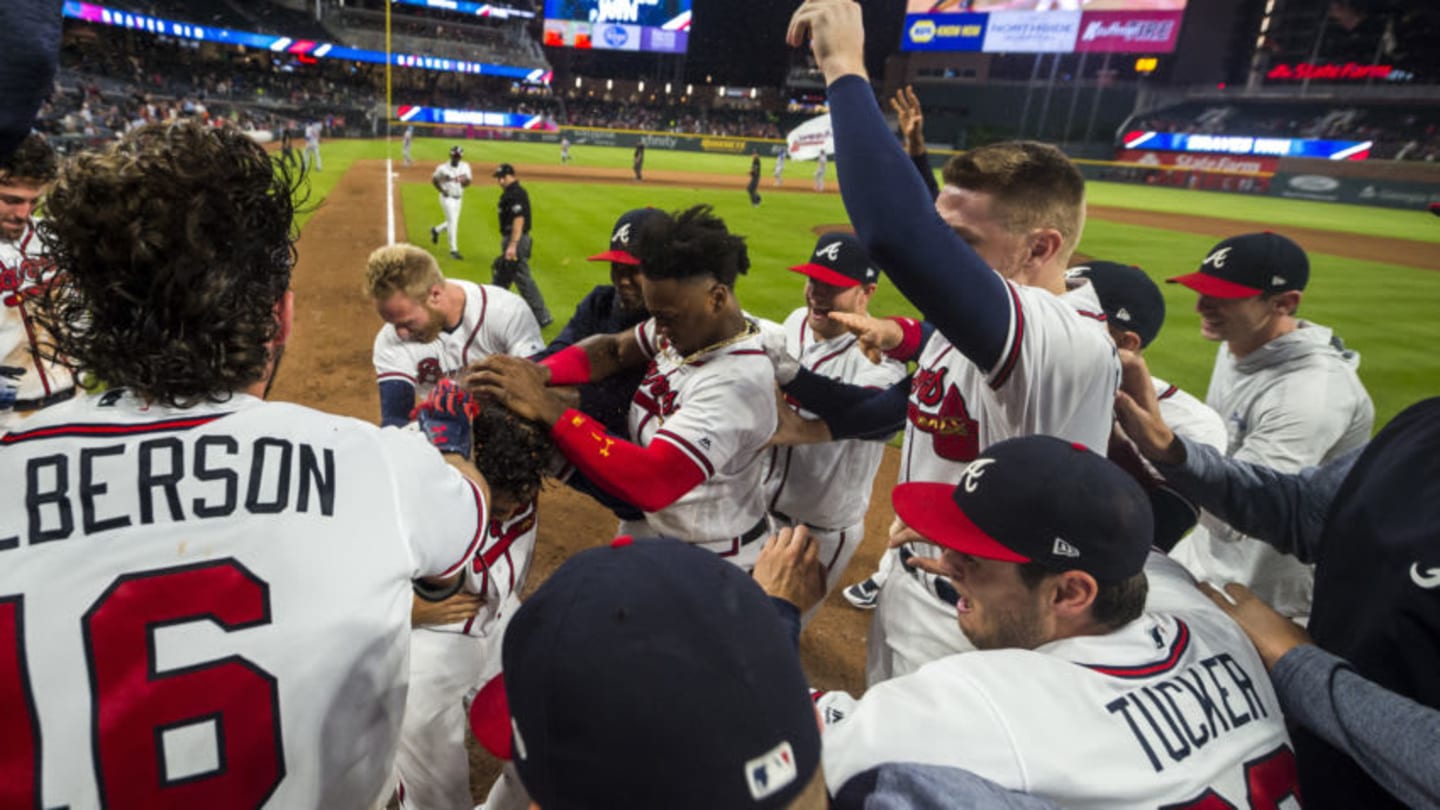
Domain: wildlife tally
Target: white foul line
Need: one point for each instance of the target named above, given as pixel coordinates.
(389, 202)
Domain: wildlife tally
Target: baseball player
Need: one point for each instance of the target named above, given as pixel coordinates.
(1080, 627)
(29, 378)
(1289, 394)
(516, 220)
(1134, 311)
(450, 179)
(205, 596)
(820, 171)
(780, 168)
(435, 327)
(639, 161)
(564, 150)
(1014, 350)
(827, 486)
(703, 412)
(310, 159)
(455, 646)
(405, 145)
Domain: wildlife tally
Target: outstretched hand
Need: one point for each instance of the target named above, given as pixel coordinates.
(912, 120)
(1272, 634)
(836, 35)
(518, 384)
(1138, 410)
(876, 335)
(789, 568)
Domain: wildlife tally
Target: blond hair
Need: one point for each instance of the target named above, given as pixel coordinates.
(1032, 185)
(401, 268)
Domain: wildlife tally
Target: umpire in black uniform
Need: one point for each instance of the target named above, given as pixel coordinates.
(514, 262)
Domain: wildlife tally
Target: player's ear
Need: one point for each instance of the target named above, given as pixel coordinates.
(285, 315)
(1285, 303)
(437, 292)
(1045, 245)
(1072, 595)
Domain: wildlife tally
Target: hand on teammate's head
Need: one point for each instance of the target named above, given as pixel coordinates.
(516, 383)
(835, 33)
(789, 568)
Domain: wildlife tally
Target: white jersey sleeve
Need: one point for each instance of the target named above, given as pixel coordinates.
(510, 326)
(391, 358)
(426, 494)
(1189, 417)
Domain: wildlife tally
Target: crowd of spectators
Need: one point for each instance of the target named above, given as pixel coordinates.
(1398, 133)
(669, 116)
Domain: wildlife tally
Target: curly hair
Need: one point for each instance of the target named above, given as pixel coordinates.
(33, 162)
(173, 247)
(401, 268)
(512, 453)
(1034, 185)
(691, 243)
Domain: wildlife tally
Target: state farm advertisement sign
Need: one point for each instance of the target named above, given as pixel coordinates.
(1128, 31)
(1198, 162)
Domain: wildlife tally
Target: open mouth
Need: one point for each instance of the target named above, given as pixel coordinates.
(963, 606)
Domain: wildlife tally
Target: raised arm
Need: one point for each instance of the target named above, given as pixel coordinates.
(886, 199)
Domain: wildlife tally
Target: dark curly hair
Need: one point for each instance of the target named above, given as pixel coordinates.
(512, 453)
(172, 248)
(34, 161)
(691, 243)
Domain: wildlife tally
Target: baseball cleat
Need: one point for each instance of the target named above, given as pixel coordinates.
(864, 594)
(434, 236)
(455, 254)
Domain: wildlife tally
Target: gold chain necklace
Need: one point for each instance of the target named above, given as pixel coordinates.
(749, 330)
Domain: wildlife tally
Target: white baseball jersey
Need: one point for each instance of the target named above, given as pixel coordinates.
(448, 663)
(211, 605)
(23, 268)
(312, 135)
(719, 410)
(495, 321)
(1188, 416)
(1172, 710)
(451, 178)
(828, 485)
(1056, 376)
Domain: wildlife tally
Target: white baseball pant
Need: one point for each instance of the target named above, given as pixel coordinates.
(451, 206)
(734, 550)
(911, 627)
(837, 548)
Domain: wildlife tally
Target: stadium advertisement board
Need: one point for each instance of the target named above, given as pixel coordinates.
(1128, 31)
(499, 12)
(1037, 26)
(1355, 190)
(661, 26)
(1181, 161)
(477, 118)
(300, 48)
(1247, 145)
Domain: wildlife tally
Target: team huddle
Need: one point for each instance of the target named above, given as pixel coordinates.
(208, 598)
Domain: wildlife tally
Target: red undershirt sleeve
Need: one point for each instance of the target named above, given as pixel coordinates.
(651, 478)
(569, 366)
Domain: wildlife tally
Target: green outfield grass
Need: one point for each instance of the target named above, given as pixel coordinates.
(1384, 311)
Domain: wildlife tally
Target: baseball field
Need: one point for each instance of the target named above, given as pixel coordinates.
(1375, 279)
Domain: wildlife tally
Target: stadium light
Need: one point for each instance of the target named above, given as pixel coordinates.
(667, 88)
(752, 92)
(641, 87)
(720, 91)
(577, 81)
(689, 89)
(609, 84)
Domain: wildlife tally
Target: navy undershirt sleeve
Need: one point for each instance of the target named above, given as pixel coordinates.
(852, 411)
(895, 218)
(397, 400)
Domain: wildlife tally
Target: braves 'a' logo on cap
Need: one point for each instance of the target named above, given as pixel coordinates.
(830, 251)
(1217, 259)
(622, 234)
(970, 479)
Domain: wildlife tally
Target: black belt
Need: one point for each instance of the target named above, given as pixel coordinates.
(943, 590)
(37, 403)
(756, 532)
(793, 521)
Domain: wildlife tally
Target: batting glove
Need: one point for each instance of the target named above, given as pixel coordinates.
(445, 418)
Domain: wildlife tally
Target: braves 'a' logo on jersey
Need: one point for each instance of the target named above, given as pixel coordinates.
(20, 278)
(427, 371)
(955, 435)
(655, 394)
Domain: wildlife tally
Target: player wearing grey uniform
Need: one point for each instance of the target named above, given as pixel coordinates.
(1287, 390)
(310, 158)
(405, 144)
(451, 179)
(827, 486)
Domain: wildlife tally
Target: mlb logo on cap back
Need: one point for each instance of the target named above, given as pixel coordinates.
(841, 260)
(1250, 265)
(626, 234)
(1038, 499)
